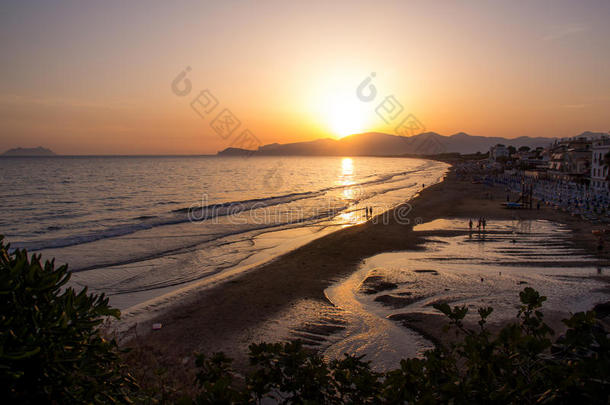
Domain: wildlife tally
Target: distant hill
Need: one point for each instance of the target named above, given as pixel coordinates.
(39, 151)
(380, 144)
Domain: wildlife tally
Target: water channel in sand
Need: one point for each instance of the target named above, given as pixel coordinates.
(475, 269)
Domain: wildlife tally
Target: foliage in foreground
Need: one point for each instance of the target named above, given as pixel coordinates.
(51, 350)
(517, 365)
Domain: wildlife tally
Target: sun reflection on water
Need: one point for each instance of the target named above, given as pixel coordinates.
(351, 218)
(346, 178)
(347, 165)
(351, 192)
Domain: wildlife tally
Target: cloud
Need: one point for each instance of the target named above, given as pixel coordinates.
(566, 30)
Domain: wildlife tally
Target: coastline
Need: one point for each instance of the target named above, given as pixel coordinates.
(225, 317)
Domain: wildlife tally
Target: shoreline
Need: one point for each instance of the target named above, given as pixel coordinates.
(225, 317)
(265, 245)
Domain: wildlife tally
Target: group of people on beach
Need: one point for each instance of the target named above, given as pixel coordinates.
(369, 212)
(481, 225)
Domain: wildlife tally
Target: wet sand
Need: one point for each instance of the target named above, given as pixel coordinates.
(228, 317)
(460, 267)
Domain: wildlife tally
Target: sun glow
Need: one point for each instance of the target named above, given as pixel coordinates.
(341, 112)
(344, 119)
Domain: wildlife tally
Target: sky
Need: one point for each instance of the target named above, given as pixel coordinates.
(195, 77)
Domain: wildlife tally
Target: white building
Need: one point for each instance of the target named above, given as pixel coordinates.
(497, 151)
(599, 170)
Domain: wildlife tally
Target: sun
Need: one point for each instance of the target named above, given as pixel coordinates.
(345, 120)
(344, 114)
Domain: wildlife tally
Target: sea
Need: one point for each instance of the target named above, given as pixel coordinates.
(145, 229)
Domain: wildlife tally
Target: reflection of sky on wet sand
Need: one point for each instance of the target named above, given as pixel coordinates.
(475, 269)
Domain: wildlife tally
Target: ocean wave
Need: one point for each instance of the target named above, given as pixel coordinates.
(203, 212)
(223, 208)
(313, 218)
(191, 214)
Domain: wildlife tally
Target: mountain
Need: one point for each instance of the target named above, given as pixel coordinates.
(380, 144)
(39, 151)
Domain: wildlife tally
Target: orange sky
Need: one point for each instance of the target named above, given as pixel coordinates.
(96, 78)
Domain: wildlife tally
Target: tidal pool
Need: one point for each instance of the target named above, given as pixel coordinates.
(475, 269)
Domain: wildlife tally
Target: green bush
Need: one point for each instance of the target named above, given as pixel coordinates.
(50, 348)
(517, 365)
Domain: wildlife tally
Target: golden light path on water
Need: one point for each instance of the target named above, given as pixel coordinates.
(350, 192)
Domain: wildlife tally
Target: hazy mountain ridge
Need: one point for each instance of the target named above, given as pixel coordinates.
(381, 144)
(38, 151)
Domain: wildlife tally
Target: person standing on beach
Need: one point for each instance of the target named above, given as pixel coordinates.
(483, 222)
(470, 224)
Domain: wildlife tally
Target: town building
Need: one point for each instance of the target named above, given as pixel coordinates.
(570, 160)
(599, 167)
(498, 151)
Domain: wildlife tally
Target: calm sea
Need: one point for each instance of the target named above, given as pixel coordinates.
(139, 227)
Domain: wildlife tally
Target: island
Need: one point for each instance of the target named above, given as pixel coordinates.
(38, 151)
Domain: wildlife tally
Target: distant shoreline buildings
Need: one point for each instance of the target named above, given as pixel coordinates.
(582, 160)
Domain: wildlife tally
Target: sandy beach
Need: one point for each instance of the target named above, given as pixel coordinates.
(230, 316)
